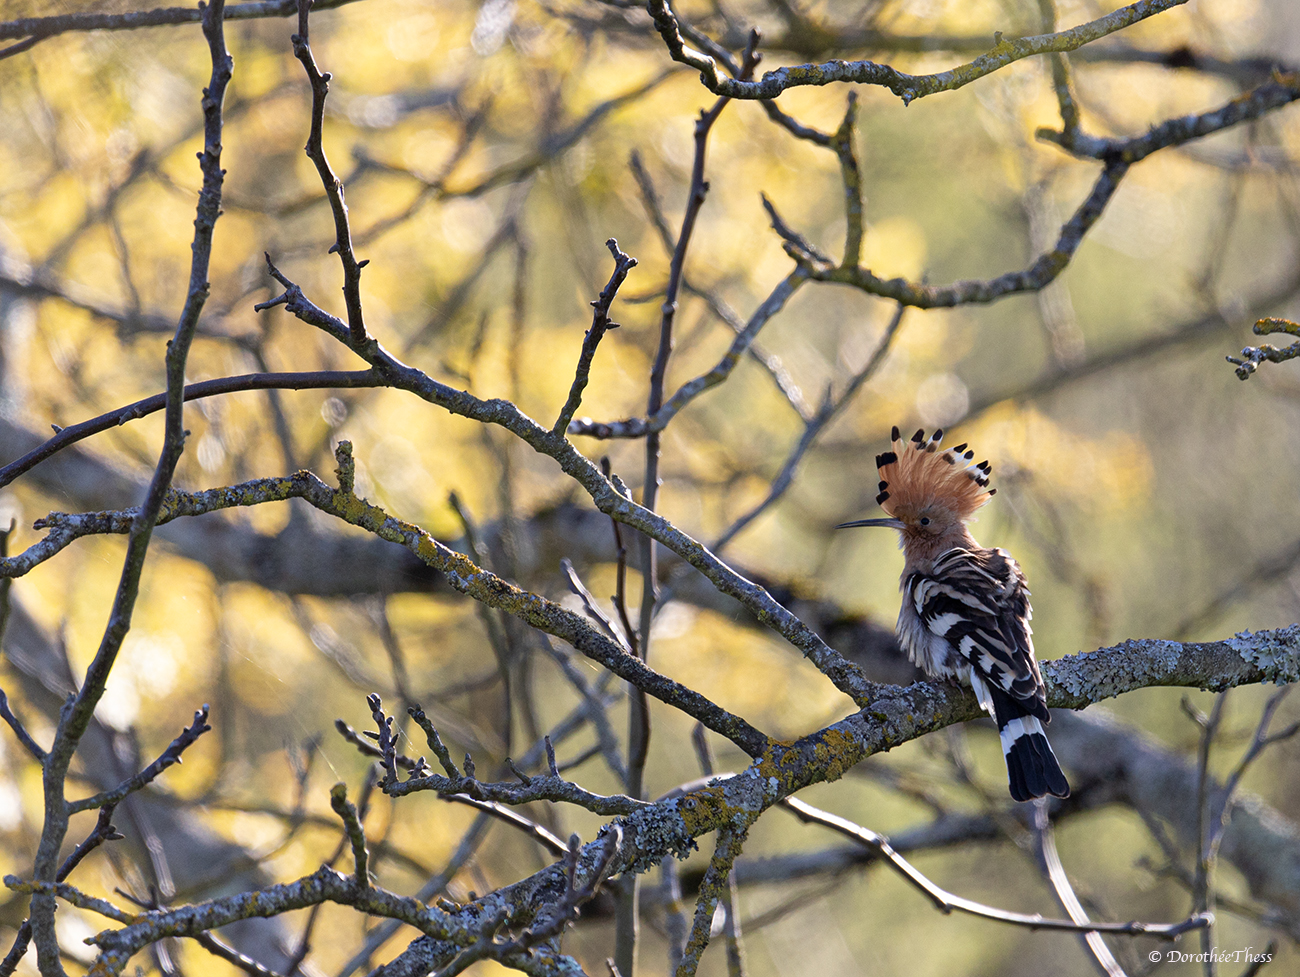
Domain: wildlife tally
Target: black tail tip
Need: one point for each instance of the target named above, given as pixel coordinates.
(1032, 770)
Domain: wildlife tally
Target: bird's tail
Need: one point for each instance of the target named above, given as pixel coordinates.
(1032, 769)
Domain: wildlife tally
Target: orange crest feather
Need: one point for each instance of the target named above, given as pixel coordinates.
(917, 474)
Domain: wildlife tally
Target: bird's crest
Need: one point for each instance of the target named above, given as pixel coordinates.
(917, 474)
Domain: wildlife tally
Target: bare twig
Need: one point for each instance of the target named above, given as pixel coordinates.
(828, 411)
(169, 757)
(600, 322)
(627, 912)
(1044, 270)
(1203, 884)
(24, 737)
(590, 605)
(77, 715)
(620, 568)
(537, 832)
(333, 187)
(222, 950)
(715, 886)
(347, 813)
(687, 392)
(905, 86)
(1252, 356)
(770, 363)
(607, 498)
(42, 27)
(1050, 861)
(1273, 94)
(947, 902)
(551, 787)
(1060, 78)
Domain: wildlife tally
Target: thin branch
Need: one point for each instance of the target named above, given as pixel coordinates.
(851, 176)
(317, 380)
(1260, 741)
(70, 894)
(1043, 271)
(20, 47)
(600, 322)
(770, 363)
(1050, 861)
(537, 832)
(658, 420)
(905, 86)
(76, 717)
(1203, 883)
(497, 629)
(41, 27)
(627, 912)
(845, 676)
(224, 951)
(320, 86)
(347, 813)
(1280, 90)
(1252, 356)
(434, 740)
(946, 902)
(620, 567)
(595, 702)
(546, 787)
(713, 889)
(513, 172)
(24, 737)
(169, 757)
(793, 126)
(790, 236)
(592, 608)
(1203, 328)
(828, 411)
(809, 38)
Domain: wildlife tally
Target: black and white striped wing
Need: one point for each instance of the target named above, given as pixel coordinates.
(977, 602)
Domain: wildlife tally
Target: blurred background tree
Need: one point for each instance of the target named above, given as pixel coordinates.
(488, 150)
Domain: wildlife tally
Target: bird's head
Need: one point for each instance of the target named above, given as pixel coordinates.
(928, 493)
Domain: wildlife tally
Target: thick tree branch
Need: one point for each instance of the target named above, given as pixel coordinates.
(896, 716)
(607, 498)
(460, 571)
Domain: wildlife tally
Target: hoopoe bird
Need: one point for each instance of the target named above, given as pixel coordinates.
(965, 611)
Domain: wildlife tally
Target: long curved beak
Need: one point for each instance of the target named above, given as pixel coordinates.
(889, 523)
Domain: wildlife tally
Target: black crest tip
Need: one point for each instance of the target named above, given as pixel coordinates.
(894, 435)
(880, 499)
(886, 458)
(919, 436)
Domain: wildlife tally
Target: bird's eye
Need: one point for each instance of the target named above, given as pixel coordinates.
(925, 520)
